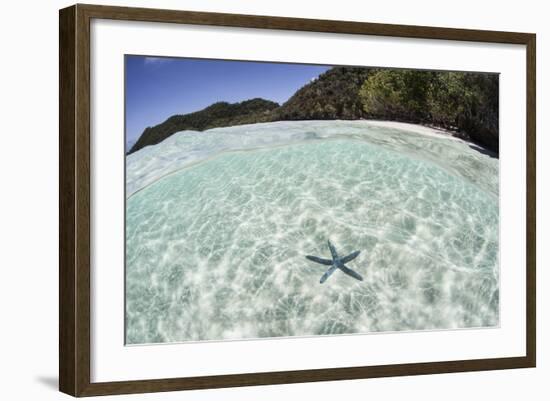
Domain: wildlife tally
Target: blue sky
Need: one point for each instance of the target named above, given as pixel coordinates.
(157, 88)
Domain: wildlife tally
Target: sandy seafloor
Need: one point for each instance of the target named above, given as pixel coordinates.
(218, 224)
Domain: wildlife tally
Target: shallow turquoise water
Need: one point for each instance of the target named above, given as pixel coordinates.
(215, 246)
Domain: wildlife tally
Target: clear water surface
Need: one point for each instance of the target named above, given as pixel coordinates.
(218, 224)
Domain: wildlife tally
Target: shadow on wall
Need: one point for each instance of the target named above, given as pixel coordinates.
(48, 381)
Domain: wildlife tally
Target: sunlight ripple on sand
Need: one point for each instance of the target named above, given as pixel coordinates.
(218, 223)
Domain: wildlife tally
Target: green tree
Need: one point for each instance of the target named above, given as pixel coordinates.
(465, 102)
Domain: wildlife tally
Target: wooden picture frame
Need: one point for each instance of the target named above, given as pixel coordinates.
(74, 200)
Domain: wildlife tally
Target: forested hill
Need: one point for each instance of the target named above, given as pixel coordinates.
(466, 103)
(333, 95)
(220, 114)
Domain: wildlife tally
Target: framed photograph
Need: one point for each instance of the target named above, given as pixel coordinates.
(250, 200)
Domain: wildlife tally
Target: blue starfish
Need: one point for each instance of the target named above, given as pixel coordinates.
(336, 263)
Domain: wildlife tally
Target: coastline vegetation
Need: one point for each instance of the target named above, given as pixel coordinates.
(463, 102)
(466, 103)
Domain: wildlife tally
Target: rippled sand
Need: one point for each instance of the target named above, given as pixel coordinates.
(218, 224)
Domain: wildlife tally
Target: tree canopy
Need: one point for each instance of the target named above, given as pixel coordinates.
(460, 101)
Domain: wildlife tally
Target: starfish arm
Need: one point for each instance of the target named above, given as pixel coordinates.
(327, 274)
(332, 251)
(350, 257)
(319, 260)
(351, 273)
